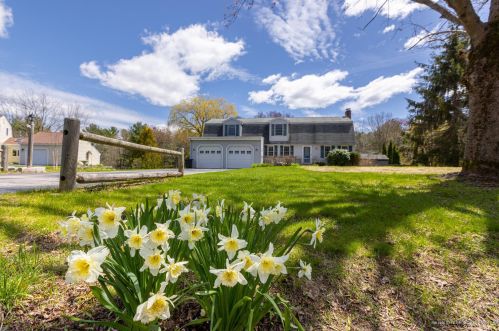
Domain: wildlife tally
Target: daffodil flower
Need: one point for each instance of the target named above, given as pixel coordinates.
(231, 244)
(318, 233)
(267, 217)
(70, 226)
(219, 210)
(109, 219)
(266, 265)
(247, 211)
(153, 260)
(247, 258)
(230, 276)
(156, 307)
(174, 269)
(305, 270)
(192, 233)
(186, 216)
(86, 266)
(160, 236)
(136, 239)
(86, 234)
(198, 200)
(280, 211)
(201, 215)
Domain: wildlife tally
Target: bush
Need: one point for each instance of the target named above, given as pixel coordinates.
(261, 165)
(320, 163)
(338, 157)
(354, 158)
(137, 258)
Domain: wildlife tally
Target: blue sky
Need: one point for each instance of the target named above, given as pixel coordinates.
(127, 61)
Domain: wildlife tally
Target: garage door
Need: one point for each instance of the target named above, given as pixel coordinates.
(209, 157)
(40, 157)
(240, 157)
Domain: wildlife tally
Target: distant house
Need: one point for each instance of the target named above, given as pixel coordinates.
(12, 145)
(240, 142)
(5, 130)
(47, 148)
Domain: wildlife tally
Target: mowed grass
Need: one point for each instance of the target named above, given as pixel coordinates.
(401, 251)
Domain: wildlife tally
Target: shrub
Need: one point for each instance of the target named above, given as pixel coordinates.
(261, 165)
(354, 158)
(140, 255)
(338, 157)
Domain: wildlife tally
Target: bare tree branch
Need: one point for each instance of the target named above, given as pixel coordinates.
(441, 10)
(469, 19)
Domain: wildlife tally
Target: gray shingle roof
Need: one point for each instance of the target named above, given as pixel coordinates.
(296, 120)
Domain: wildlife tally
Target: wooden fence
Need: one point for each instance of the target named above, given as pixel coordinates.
(69, 158)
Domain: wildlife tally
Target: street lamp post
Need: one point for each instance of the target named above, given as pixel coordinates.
(31, 131)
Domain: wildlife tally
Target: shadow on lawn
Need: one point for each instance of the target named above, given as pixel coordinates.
(369, 217)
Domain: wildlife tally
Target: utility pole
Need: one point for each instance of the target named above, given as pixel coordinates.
(31, 132)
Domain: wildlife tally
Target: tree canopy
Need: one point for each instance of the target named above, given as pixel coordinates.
(192, 114)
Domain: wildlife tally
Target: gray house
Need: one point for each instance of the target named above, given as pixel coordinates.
(240, 142)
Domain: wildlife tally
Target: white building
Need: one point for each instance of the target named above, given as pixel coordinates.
(5, 130)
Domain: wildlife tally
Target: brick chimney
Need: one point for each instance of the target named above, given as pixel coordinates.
(348, 113)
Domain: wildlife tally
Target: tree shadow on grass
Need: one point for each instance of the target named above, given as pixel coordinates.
(391, 226)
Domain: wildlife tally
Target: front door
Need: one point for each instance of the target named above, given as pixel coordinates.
(306, 155)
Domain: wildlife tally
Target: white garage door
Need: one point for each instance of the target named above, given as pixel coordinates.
(40, 157)
(209, 157)
(240, 157)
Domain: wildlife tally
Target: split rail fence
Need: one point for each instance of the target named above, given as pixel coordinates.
(69, 159)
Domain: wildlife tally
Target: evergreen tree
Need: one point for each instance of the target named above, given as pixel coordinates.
(437, 123)
(148, 160)
(395, 156)
(383, 150)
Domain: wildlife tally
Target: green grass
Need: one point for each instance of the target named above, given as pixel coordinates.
(411, 248)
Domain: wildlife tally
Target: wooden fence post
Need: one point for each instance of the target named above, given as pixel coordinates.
(69, 155)
(181, 162)
(5, 158)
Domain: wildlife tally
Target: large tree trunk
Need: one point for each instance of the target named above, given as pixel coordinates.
(481, 154)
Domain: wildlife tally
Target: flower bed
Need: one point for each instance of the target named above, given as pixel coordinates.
(136, 261)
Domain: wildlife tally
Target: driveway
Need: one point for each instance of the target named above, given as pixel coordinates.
(27, 182)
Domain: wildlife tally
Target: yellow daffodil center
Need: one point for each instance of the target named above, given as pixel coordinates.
(82, 268)
(231, 245)
(247, 262)
(159, 236)
(229, 277)
(158, 306)
(319, 234)
(176, 198)
(196, 234)
(88, 234)
(136, 241)
(188, 218)
(108, 217)
(73, 225)
(266, 219)
(155, 261)
(175, 270)
(267, 264)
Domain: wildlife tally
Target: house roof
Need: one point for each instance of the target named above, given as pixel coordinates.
(292, 120)
(12, 141)
(45, 138)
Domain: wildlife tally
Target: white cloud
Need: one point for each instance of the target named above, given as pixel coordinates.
(98, 111)
(301, 27)
(320, 91)
(309, 91)
(389, 28)
(6, 19)
(383, 88)
(174, 67)
(271, 79)
(248, 111)
(393, 8)
(419, 40)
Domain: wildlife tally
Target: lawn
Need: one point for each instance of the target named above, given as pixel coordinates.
(402, 251)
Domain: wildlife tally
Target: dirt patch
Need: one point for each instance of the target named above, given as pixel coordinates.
(388, 170)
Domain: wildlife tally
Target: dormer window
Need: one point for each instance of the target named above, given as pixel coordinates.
(232, 130)
(279, 129)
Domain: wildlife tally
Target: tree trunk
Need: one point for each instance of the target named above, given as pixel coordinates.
(481, 154)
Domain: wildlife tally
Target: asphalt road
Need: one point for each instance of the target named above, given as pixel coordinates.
(28, 182)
